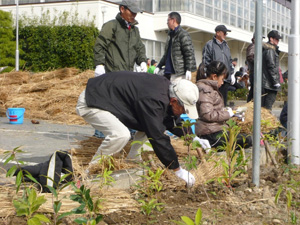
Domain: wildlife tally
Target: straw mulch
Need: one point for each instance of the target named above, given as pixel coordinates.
(114, 200)
(268, 120)
(205, 171)
(48, 96)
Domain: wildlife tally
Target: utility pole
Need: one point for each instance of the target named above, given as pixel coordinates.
(17, 35)
(257, 92)
(294, 86)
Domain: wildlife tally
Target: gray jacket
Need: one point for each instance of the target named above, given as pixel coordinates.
(213, 51)
(270, 66)
(182, 52)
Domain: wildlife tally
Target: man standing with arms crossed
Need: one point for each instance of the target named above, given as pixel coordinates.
(179, 57)
(217, 49)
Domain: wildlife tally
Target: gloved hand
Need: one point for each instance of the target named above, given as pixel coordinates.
(186, 176)
(99, 70)
(230, 111)
(276, 85)
(188, 75)
(203, 142)
(156, 70)
(138, 69)
(232, 79)
(143, 67)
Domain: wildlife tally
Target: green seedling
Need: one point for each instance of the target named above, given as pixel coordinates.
(28, 205)
(147, 207)
(234, 162)
(290, 187)
(106, 178)
(11, 156)
(188, 221)
(87, 205)
(56, 202)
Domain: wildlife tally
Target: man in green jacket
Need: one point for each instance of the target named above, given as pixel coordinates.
(119, 45)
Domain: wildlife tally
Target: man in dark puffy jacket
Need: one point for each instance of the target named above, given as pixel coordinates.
(150, 104)
(179, 57)
(119, 45)
(217, 49)
(270, 69)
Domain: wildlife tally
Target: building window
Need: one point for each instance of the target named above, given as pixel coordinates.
(225, 17)
(232, 20)
(225, 5)
(217, 4)
(217, 15)
(199, 9)
(240, 22)
(208, 12)
(232, 8)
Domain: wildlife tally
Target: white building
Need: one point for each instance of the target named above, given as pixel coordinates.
(199, 18)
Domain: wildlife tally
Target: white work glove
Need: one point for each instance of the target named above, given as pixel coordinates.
(143, 67)
(186, 176)
(276, 85)
(230, 111)
(232, 79)
(156, 70)
(204, 143)
(99, 70)
(188, 75)
(138, 69)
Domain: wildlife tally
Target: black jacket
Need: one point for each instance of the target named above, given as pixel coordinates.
(182, 52)
(213, 51)
(140, 102)
(270, 67)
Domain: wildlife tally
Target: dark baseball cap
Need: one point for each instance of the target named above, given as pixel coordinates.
(274, 34)
(222, 28)
(153, 62)
(131, 5)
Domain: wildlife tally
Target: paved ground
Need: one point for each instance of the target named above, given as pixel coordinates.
(40, 140)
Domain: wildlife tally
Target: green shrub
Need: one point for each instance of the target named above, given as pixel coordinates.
(7, 41)
(52, 47)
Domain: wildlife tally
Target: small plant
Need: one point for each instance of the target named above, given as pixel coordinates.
(148, 187)
(188, 221)
(290, 187)
(107, 179)
(11, 156)
(87, 204)
(147, 207)
(28, 205)
(234, 162)
(56, 203)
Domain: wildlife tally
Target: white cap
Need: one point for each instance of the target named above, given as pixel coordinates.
(188, 94)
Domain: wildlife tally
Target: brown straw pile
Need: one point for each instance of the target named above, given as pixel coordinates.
(268, 120)
(48, 96)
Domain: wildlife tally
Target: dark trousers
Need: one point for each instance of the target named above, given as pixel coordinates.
(250, 95)
(217, 140)
(224, 91)
(268, 98)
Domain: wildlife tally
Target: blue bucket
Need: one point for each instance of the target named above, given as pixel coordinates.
(15, 115)
(185, 117)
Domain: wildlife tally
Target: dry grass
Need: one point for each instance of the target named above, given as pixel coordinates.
(48, 96)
